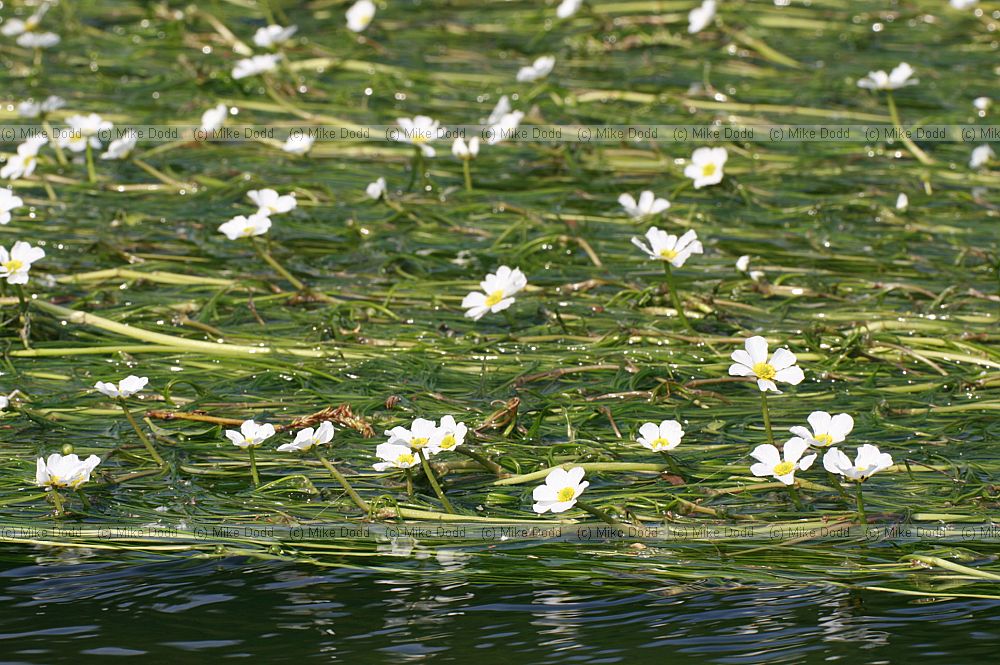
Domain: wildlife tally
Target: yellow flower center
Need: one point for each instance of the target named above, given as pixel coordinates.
(494, 298)
(418, 442)
(659, 443)
(404, 458)
(668, 254)
(707, 170)
(784, 468)
(13, 265)
(824, 439)
(566, 494)
(248, 230)
(31, 24)
(764, 371)
(448, 442)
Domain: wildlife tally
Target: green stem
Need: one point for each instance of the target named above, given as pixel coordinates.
(482, 459)
(676, 298)
(156, 173)
(599, 514)
(340, 478)
(767, 416)
(83, 499)
(409, 482)
(142, 435)
(796, 499)
(60, 156)
(434, 483)
(262, 252)
(467, 170)
(418, 168)
(25, 320)
(253, 467)
(91, 173)
(193, 345)
(672, 463)
(835, 481)
(862, 518)
(57, 500)
(921, 156)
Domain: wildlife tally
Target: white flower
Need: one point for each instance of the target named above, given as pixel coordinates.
(419, 131)
(306, 438)
(501, 109)
(15, 26)
(769, 462)
(29, 109)
(244, 227)
(64, 470)
(463, 151)
(255, 65)
(4, 402)
(498, 292)
(665, 247)
(981, 154)
(8, 202)
(826, 429)
(251, 434)
(273, 35)
(418, 436)
(395, 456)
(23, 163)
(539, 69)
(870, 460)
(753, 362)
(902, 202)
(982, 104)
(560, 491)
(962, 4)
(83, 130)
(15, 265)
(648, 204)
(665, 436)
(743, 263)
(899, 77)
(700, 17)
(299, 144)
(448, 435)
(122, 147)
(376, 190)
(706, 167)
(127, 387)
(38, 39)
(504, 127)
(27, 32)
(567, 8)
(360, 15)
(33, 109)
(269, 202)
(214, 118)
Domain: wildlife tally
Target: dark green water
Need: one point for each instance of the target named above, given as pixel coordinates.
(65, 607)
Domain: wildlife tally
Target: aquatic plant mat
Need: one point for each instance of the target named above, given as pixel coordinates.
(893, 314)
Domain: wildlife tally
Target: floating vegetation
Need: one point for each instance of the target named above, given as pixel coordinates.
(249, 291)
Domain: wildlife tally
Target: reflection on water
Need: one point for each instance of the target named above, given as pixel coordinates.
(67, 607)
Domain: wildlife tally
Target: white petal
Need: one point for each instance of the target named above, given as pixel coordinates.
(791, 375)
(767, 454)
(757, 348)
